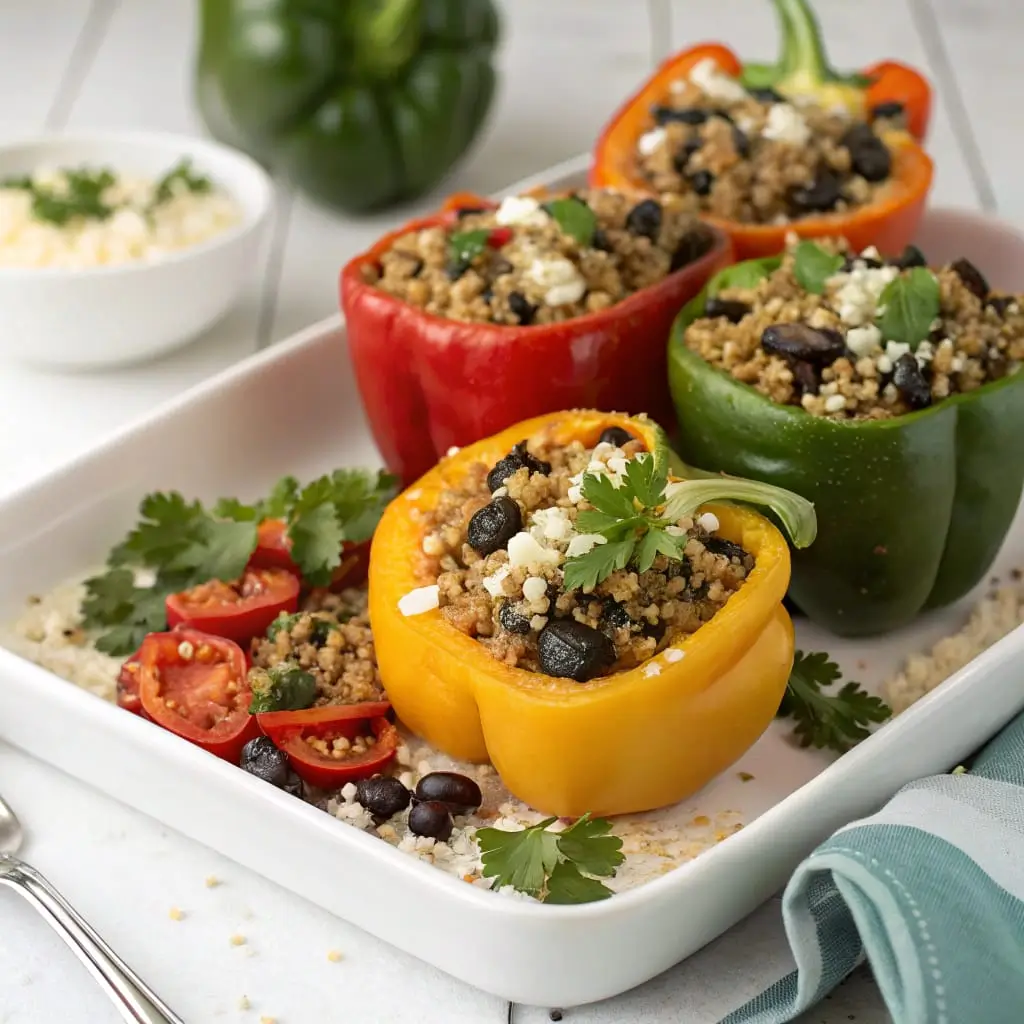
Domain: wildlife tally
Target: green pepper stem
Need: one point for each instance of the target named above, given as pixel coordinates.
(386, 36)
(803, 51)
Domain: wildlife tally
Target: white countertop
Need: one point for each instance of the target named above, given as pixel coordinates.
(565, 64)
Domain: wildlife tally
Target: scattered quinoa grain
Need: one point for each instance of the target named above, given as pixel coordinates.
(175, 914)
(335, 957)
(212, 881)
(237, 940)
(244, 1004)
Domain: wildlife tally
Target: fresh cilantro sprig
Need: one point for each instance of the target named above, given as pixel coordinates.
(464, 247)
(554, 867)
(813, 266)
(183, 543)
(825, 718)
(909, 305)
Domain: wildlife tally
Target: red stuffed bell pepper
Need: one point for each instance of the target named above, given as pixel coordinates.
(532, 337)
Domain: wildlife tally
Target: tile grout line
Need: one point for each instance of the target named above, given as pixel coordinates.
(83, 55)
(274, 267)
(923, 16)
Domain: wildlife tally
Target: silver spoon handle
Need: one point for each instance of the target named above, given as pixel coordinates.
(134, 999)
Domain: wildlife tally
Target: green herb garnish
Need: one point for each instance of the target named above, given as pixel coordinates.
(83, 197)
(748, 274)
(554, 867)
(813, 266)
(187, 544)
(282, 687)
(909, 304)
(574, 217)
(180, 178)
(833, 720)
(321, 628)
(464, 247)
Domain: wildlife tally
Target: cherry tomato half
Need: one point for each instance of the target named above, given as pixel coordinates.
(194, 684)
(293, 732)
(128, 686)
(273, 551)
(240, 610)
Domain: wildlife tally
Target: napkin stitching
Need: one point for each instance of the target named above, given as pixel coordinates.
(938, 989)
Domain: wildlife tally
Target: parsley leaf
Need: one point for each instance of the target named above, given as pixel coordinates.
(574, 217)
(83, 197)
(584, 572)
(464, 247)
(646, 478)
(909, 304)
(282, 687)
(655, 542)
(221, 551)
(180, 178)
(813, 266)
(837, 721)
(602, 493)
(748, 274)
(555, 867)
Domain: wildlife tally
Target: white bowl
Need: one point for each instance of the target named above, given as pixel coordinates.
(125, 313)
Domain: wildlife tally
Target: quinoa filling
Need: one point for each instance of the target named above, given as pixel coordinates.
(532, 262)
(750, 156)
(502, 547)
(857, 336)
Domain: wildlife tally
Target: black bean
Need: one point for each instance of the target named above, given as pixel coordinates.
(701, 182)
(555, 1015)
(487, 294)
(682, 157)
(721, 546)
(262, 758)
(820, 196)
(654, 629)
(458, 793)
(740, 143)
(454, 269)
(851, 259)
(973, 279)
(808, 344)
(869, 156)
(691, 247)
(645, 219)
(468, 211)
(996, 364)
(616, 436)
(910, 257)
(892, 108)
(732, 309)
(510, 620)
(382, 796)
(806, 380)
(1001, 304)
(767, 95)
(910, 382)
(522, 310)
(599, 240)
(570, 649)
(431, 819)
(493, 526)
(294, 786)
(519, 458)
(684, 115)
(614, 615)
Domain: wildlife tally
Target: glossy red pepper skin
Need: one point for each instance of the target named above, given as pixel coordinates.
(429, 383)
(892, 82)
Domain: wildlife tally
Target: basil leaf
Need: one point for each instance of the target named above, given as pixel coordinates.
(744, 275)
(814, 266)
(575, 218)
(909, 305)
(283, 687)
(465, 246)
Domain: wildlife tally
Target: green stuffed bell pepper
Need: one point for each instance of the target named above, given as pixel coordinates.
(913, 505)
(359, 103)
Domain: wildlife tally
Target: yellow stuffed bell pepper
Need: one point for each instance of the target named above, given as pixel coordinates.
(625, 741)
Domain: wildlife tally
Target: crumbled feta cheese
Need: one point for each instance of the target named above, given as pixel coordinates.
(525, 551)
(709, 522)
(534, 588)
(652, 668)
(895, 349)
(552, 524)
(420, 600)
(786, 124)
(835, 403)
(925, 353)
(575, 493)
(858, 292)
(454, 450)
(864, 341)
(713, 82)
(432, 545)
(520, 210)
(493, 583)
(584, 542)
(674, 654)
(559, 276)
(348, 792)
(538, 622)
(501, 492)
(650, 141)
(870, 253)
(883, 363)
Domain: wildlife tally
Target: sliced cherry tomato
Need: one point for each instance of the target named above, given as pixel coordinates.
(274, 546)
(293, 732)
(240, 610)
(194, 684)
(128, 686)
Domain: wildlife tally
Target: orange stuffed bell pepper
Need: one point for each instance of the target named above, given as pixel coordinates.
(767, 149)
(556, 601)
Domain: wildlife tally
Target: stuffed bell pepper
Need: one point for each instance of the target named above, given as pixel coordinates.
(886, 393)
(361, 105)
(765, 150)
(464, 323)
(555, 600)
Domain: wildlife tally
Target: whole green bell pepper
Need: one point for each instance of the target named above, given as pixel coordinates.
(359, 103)
(911, 510)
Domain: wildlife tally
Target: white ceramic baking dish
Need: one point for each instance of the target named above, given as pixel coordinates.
(219, 439)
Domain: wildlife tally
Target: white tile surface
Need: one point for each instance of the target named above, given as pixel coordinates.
(565, 64)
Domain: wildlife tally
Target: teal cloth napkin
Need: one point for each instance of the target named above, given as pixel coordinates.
(930, 890)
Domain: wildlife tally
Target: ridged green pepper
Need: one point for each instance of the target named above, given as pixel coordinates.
(360, 103)
(911, 510)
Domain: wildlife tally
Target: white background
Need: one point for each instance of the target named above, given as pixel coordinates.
(565, 65)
